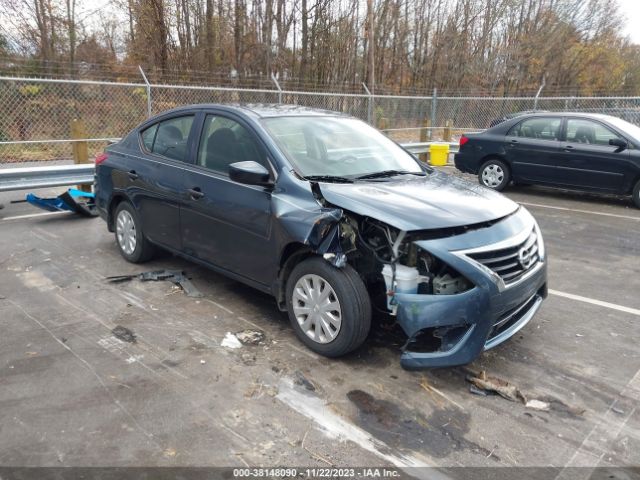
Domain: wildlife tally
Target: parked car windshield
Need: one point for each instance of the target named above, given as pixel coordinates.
(628, 128)
(337, 147)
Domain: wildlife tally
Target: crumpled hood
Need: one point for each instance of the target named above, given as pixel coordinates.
(409, 202)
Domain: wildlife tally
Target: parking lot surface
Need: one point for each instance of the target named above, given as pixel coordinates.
(72, 394)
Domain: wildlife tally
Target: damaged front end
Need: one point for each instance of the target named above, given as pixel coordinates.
(455, 291)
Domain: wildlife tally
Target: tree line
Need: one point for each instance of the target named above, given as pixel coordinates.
(502, 47)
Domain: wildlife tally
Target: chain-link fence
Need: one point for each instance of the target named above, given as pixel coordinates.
(36, 114)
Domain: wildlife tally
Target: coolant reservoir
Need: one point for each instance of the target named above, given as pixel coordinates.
(407, 279)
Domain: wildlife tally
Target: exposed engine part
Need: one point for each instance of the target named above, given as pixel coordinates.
(449, 285)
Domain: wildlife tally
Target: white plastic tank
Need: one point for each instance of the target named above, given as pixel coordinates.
(407, 279)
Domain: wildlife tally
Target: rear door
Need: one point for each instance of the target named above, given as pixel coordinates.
(225, 223)
(533, 147)
(587, 159)
(155, 181)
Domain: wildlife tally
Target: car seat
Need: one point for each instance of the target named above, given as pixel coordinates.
(222, 150)
(585, 134)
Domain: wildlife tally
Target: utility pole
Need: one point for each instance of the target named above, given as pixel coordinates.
(371, 70)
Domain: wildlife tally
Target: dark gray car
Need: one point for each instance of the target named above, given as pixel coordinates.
(333, 219)
(581, 151)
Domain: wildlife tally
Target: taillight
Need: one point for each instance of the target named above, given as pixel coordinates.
(463, 140)
(101, 158)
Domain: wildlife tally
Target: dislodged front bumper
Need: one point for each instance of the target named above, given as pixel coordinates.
(480, 318)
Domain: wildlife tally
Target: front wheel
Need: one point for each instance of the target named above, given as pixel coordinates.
(636, 194)
(494, 174)
(329, 308)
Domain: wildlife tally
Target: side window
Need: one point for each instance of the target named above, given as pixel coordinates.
(225, 141)
(586, 131)
(541, 128)
(169, 138)
(148, 136)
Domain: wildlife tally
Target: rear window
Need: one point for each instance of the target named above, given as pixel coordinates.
(541, 128)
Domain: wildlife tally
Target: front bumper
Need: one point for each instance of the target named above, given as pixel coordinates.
(481, 318)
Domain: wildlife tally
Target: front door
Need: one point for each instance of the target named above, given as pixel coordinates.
(587, 159)
(225, 223)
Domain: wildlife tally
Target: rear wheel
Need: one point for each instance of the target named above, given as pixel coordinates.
(130, 238)
(636, 194)
(328, 307)
(494, 174)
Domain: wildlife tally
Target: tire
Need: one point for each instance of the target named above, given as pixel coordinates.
(494, 174)
(636, 194)
(353, 307)
(127, 223)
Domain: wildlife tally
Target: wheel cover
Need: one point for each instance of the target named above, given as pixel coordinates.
(317, 308)
(492, 175)
(126, 232)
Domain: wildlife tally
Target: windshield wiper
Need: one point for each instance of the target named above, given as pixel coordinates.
(387, 173)
(328, 178)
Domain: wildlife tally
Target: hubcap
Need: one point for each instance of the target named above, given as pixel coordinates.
(316, 308)
(126, 232)
(492, 175)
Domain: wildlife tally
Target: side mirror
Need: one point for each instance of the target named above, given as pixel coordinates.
(250, 173)
(618, 142)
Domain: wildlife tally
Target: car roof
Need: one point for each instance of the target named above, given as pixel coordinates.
(568, 114)
(262, 110)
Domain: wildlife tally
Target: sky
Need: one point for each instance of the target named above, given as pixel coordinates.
(631, 10)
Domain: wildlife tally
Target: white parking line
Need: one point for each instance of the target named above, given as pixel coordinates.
(580, 211)
(32, 215)
(593, 301)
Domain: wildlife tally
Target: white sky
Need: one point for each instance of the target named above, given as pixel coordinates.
(631, 10)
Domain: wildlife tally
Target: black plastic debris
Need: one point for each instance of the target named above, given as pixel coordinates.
(82, 203)
(301, 380)
(124, 334)
(176, 277)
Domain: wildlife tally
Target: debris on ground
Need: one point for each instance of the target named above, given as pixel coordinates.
(202, 362)
(231, 341)
(301, 380)
(176, 277)
(496, 385)
(77, 201)
(477, 391)
(482, 384)
(538, 405)
(250, 337)
(558, 406)
(124, 334)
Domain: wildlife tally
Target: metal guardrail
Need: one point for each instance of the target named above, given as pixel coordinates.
(64, 175)
(42, 177)
(423, 147)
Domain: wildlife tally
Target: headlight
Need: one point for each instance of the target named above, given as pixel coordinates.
(540, 240)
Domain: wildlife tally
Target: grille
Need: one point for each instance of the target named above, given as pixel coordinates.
(511, 263)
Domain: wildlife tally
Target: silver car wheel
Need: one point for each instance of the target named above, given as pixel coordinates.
(492, 175)
(126, 232)
(317, 308)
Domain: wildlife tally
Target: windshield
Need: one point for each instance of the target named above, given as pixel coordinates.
(339, 147)
(628, 128)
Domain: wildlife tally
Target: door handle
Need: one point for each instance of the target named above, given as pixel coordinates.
(568, 148)
(132, 175)
(195, 193)
(513, 142)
